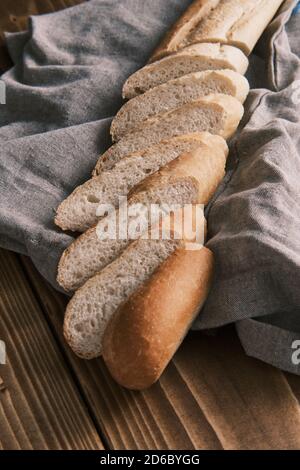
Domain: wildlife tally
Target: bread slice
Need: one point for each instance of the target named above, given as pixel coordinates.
(89, 254)
(196, 58)
(78, 211)
(92, 305)
(217, 113)
(176, 93)
(191, 178)
(206, 165)
(236, 22)
(138, 342)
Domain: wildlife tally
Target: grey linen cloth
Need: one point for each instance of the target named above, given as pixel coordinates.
(64, 88)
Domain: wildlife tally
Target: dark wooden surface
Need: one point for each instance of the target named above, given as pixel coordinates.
(211, 396)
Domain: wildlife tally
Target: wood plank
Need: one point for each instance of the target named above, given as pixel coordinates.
(40, 405)
(248, 403)
(294, 383)
(164, 417)
(14, 17)
(211, 396)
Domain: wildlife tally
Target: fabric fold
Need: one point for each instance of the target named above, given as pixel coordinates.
(255, 220)
(64, 88)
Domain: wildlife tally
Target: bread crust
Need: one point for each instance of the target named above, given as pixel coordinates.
(145, 332)
(197, 136)
(84, 324)
(83, 350)
(123, 123)
(205, 166)
(231, 109)
(248, 30)
(216, 56)
(233, 117)
(244, 33)
(71, 253)
(202, 169)
(91, 232)
(186, 23)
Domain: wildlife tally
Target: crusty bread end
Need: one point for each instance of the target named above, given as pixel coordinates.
(143, 335)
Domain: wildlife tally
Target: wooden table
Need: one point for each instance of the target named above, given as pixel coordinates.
(212, 396)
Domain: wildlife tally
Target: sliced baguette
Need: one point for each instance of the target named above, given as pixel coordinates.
(206, 165)
(145, 332)
(190, 178)
(88, 254)
(196, 12)
(78, 211)
(217, 113)
(196, 58)
(238, 23)
(176, 93)
(92, 305)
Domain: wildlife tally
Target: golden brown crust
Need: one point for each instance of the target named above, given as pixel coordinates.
(249, 28)
(205, 167)
(244, 33)
(227, 106)
(233, 117)
(202, 169)
(197, 136)
(186, 23)
(233, 84)
(145, 332)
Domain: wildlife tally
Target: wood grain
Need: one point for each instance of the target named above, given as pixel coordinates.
(212, 396)
(159, 418)
(40, 405)
(249, 404)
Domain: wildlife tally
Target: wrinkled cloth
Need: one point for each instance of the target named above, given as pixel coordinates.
(61, 94)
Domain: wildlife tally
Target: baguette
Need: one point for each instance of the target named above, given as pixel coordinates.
(196, 58)
(218, 114)
(188, 21)
(96, 301)
(145, 332)
(239, 23)
(189, 179)
(176, 93)
(206, 165)
(89, 254)
(78, 211)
